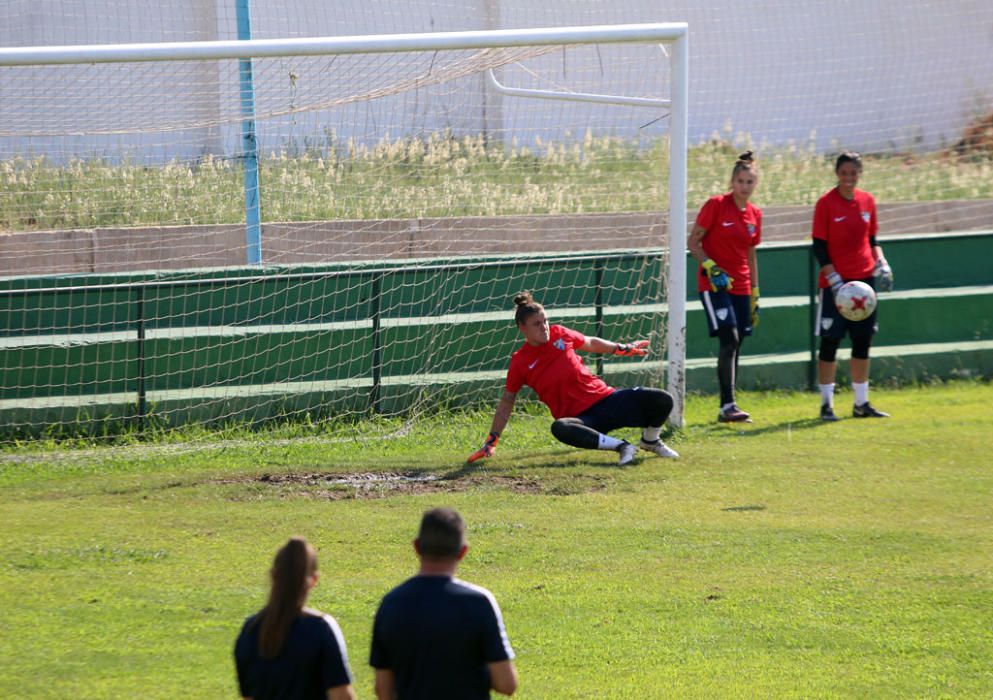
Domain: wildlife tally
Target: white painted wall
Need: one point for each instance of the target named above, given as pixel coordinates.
(870, 74)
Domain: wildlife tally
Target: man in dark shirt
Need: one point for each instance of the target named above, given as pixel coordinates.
(436, 637)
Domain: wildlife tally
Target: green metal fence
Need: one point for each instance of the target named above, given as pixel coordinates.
(118, 340)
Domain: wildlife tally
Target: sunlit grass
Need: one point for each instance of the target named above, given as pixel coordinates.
(783, 559)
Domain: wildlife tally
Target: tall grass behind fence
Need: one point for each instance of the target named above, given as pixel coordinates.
(445, 176)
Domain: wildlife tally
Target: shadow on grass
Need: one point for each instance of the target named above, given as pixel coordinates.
(754, 431)
(545, 460)
(553, 460)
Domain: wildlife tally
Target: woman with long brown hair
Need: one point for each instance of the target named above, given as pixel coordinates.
(585, 408)
(287, 650)
(725, 235)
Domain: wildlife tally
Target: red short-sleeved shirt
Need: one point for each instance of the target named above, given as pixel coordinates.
(557, 374)
(847, 225)
(731, 232)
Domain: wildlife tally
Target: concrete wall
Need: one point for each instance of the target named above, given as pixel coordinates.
(184, 247)
(872, 75)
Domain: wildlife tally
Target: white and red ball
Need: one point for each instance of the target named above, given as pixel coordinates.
(855, 300)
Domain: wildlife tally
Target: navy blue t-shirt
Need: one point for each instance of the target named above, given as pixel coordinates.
(313, 659)
(437, 634)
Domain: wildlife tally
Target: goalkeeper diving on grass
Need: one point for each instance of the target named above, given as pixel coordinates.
(585, 408)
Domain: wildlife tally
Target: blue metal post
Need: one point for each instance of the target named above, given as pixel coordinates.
(250, 146)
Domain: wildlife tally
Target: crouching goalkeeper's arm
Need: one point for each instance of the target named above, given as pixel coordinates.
(636, 348)
(500, 420)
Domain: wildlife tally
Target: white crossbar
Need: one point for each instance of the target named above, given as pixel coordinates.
(315, 46)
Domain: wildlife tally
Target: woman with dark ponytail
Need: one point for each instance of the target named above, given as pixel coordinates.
(287, 650)
(845, 245)
(585, 408)
(723, 241)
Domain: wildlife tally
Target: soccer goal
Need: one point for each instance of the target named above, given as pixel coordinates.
(321, 229)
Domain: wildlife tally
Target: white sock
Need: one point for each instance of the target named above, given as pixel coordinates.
(608, 443)
(827, 394)
(651, 433)
(727, 406)
(861, 393)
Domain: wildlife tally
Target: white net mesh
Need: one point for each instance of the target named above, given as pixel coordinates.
(403, 202)
(123, 169)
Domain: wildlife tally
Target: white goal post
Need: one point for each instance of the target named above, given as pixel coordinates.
(673, 35)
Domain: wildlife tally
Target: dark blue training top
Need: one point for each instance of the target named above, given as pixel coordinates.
(436, 634)
(313, 659)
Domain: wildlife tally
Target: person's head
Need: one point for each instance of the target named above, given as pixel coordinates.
(848, 168)
(293, 575)
(744, 177)
(441, 537)
(531, 319)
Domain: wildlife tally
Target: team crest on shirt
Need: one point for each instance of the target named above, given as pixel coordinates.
(826, 323)
(559, 344)
(751, 229)
(865, 216)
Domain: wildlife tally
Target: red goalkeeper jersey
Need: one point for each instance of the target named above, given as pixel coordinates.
(557, 374)
(731, 232)
(847, 225)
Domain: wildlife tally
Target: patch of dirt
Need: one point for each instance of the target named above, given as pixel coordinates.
(977, 138)
(340, 486)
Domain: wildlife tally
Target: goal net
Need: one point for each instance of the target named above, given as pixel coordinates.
(128, 172)
(328, 230)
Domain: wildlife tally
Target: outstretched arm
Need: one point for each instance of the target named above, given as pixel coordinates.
(608, 347)
(503, 411)
(500, 420)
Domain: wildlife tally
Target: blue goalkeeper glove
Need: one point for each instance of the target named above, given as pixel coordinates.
(719, 280)
(487, 450)
(884, 275)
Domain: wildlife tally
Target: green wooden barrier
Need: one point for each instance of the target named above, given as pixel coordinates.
(135, 334)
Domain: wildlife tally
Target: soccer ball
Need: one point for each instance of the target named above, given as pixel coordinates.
(855, 300)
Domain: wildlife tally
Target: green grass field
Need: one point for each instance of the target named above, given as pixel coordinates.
(784, 559)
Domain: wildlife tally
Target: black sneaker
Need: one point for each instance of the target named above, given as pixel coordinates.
(827, 413)
(867, 410)
(733, 414)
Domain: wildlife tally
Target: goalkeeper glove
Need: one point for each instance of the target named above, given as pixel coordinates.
(719, 279)
(637, 348)
(755, 306)
(487, 450)
(834, 279)
(884, 275)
